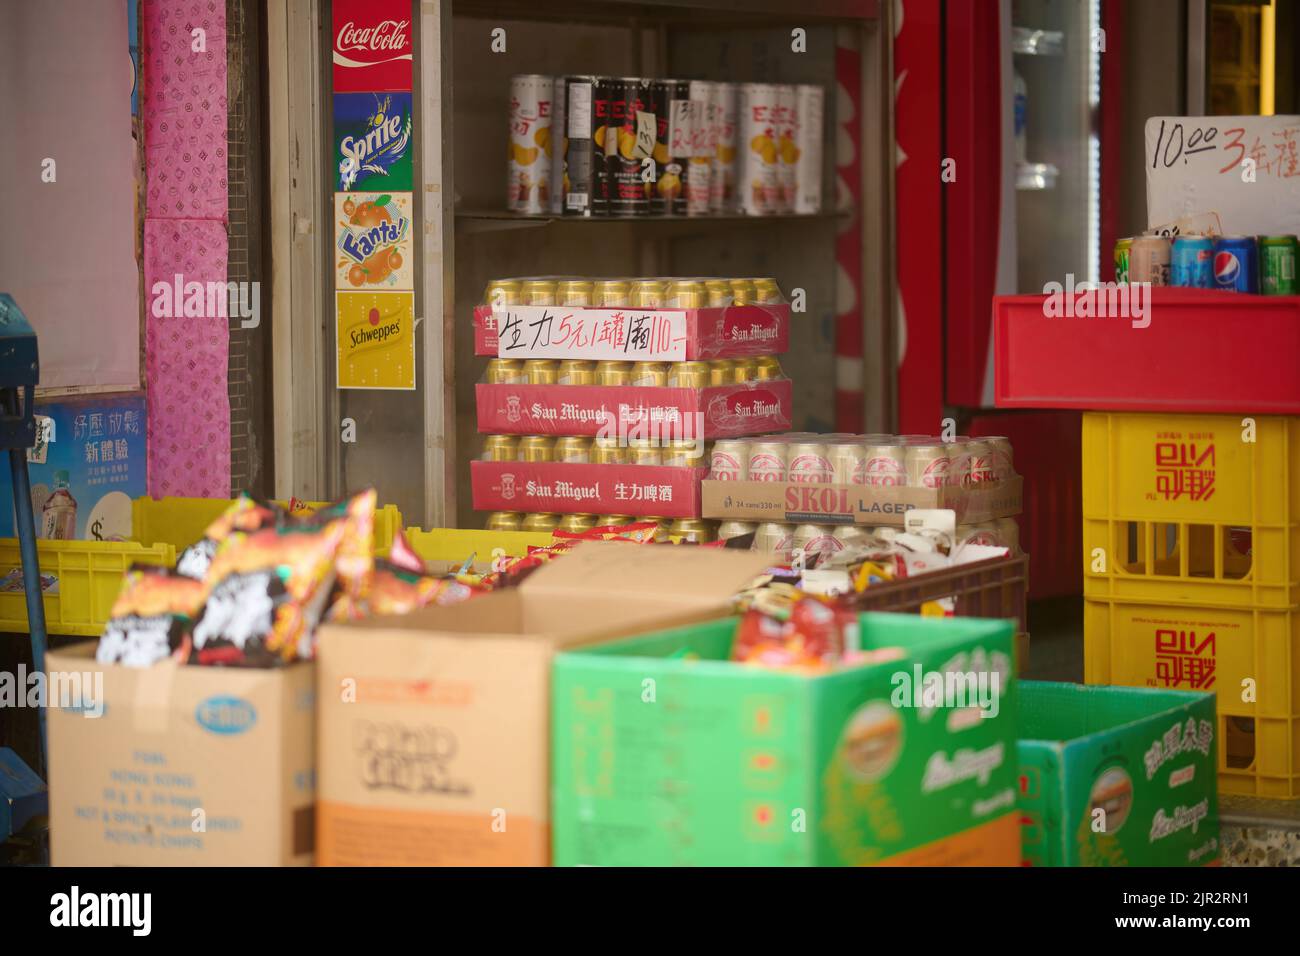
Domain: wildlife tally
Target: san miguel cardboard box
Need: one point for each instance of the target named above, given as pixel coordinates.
(563, 487)
(812, 503)
(181, 766)
(435, 727)
(631, 334)
(667, 753)
(1117, 776)
(724, 411)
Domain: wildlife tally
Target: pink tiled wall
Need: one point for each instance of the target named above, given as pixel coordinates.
(184, 115)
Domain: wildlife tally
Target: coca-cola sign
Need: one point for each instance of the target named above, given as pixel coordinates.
(372, 46)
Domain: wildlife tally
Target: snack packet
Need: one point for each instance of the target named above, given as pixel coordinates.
(245, 513)
(356, 550)
(149, 616)
(389, 589)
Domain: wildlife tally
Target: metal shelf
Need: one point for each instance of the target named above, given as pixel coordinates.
(1030, 42)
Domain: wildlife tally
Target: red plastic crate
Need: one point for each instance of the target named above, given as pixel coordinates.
(1203, 351)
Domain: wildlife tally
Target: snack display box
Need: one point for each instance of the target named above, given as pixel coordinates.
(738, 765)
(665, 491)
(629, 334)
(1051, 356)
(812, 503)
(727, 411)
(1116, 776)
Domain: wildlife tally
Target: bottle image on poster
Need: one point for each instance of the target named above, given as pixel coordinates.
(376, 339)
(372, 141)
(373, 241)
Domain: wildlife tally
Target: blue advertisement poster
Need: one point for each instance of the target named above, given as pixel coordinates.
(84, 478)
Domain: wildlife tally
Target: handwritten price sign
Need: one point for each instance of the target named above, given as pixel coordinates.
(1244, 168)
(560, 332)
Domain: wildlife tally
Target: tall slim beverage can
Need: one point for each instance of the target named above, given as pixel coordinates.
(531, 112)
(1277, 265)
(757, 181)
(583, 163)
(1192, 262)
(704, 144)
(810, 111)
(668, 197)
(629, 194)
(722, 187)
(1148, 260)
(787, 131)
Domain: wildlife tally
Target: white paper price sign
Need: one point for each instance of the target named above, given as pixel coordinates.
(1245, 169)
(559, 332)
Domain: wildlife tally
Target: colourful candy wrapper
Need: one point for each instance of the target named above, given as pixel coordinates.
(149, 616)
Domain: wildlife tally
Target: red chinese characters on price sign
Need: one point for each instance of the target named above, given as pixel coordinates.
(372, 46)
(559, 332)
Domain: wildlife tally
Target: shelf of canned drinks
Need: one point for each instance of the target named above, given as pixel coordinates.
(1261, 265)
(667, 530)
(601, 146)
(782, 538)
(805, 478)
(1159, 349)
(632, 319)
(722, 398)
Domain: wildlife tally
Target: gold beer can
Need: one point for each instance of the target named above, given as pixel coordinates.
(644, 453)
(500, 448)
(722, 372)
(576, 372)
(503, 292)
(766, 368)
(663, 528)
(734, 529)
(688, 375)
(743, 292)
(576, 292)
(539, 292)
(685, 454)
(537, 448)
(573, 449)
(772, 537)
(693, 530)
(649, 373)
(766, 291)
(717, 293)
(541, 371)
(504, 521)
(541, 522)
(686, 294)
(613, 520)
(647, 294)
(612, 372)
(607, 451)
(613, 294)
(1002, 460)
(744, 370)
(506, 372)
(577, 524)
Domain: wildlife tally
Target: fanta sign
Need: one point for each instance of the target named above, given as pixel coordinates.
(372, 46)
(358, 244)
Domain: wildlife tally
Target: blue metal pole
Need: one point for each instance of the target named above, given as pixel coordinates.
(26, 527)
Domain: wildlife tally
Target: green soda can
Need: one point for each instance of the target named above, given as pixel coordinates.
(1277, 258)
(1121, 259)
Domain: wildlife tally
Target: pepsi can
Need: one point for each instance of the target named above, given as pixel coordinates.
(1236, 263)
(1192, 263)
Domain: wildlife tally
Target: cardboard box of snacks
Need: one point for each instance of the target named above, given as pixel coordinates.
(174, 765)
(434, 728)
(669, 753)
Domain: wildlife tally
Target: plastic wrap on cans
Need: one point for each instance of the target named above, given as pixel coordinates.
(573, 449)
(808, 463)
(1001, 458)
(815, 538)
(848, 463)
(787, 152)
(959, 463)
(541, 521)
(704, 142)
(734, 529)
(531, 98)
(757, 181)
(886, 465)
(767, 461)
(586, 109)
(810, 111)
(927, 465)
(981, 461)
(722, 187)
(729, 460)
(772, 537)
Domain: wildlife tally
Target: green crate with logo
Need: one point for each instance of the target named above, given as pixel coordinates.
(667, 753)
(1116, 776)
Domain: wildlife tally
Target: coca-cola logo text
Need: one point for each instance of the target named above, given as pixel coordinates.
(385, 35)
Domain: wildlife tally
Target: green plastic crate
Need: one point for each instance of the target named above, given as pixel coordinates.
(1116, 776)
(663, 760)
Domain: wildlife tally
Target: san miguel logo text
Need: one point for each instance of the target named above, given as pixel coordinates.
(1184, 467)
(1184, 659)
(372, 45)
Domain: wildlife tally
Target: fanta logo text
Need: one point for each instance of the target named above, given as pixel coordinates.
(358, 245)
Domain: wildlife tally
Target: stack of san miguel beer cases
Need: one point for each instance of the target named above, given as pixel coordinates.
(602, 396)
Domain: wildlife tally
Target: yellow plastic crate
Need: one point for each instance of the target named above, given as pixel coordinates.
(87, 576)
(1185, 509)
(181, 521)
(1238, 653)
(457, 544)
